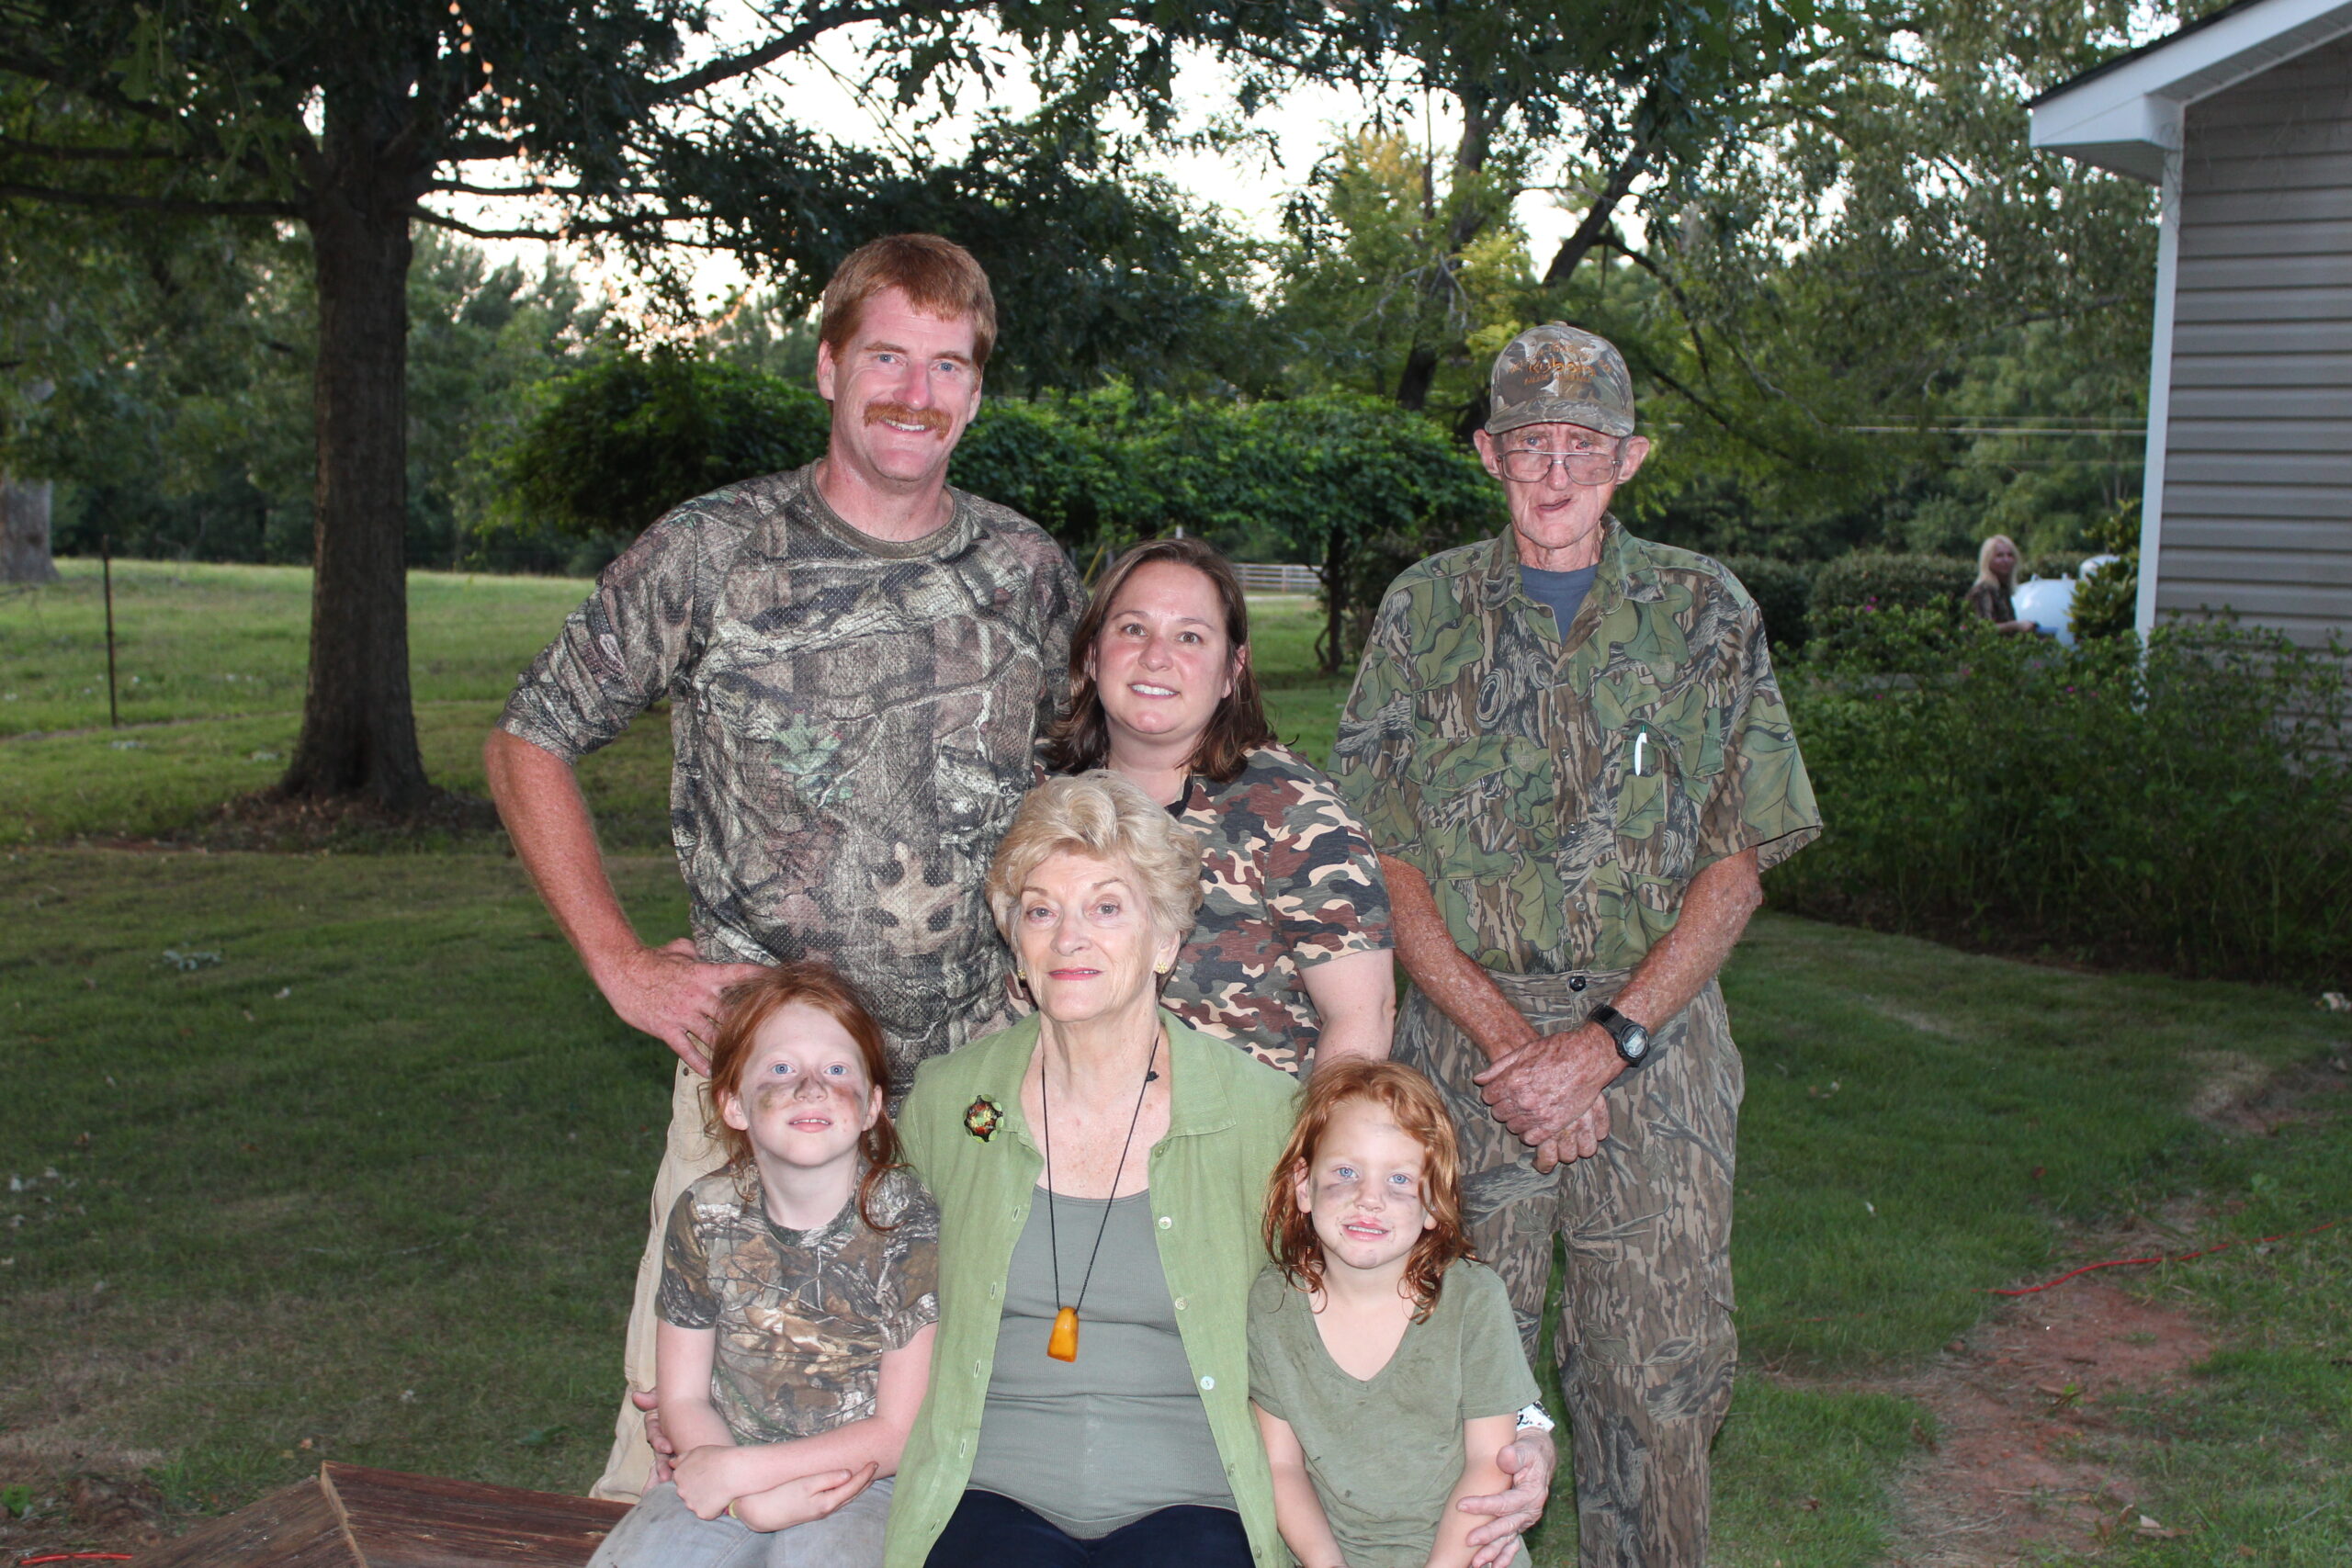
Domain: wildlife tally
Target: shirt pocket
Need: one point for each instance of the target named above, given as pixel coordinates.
(1657, 777)
(1481, 797)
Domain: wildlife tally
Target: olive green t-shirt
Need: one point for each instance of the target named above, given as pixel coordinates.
(1385, 1453)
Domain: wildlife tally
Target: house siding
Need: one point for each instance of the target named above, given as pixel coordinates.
(2257, 484)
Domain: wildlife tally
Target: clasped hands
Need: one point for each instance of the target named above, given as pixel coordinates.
(1547, 1092)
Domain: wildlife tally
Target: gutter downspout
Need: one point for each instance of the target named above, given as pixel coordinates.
(2152, 492)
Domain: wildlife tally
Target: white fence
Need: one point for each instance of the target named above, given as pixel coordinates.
(1260, 578)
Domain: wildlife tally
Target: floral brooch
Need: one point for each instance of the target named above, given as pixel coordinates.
(982, 1117)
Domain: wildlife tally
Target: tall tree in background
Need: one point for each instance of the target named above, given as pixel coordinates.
(349, 118)
(1840, 316)
(1586, 99)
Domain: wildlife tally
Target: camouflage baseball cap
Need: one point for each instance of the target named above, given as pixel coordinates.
(1556, 374)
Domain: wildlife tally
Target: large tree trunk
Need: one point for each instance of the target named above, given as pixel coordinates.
(25, 543)
(358, 726)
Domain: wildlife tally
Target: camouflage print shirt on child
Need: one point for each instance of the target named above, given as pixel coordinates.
(803, 1317)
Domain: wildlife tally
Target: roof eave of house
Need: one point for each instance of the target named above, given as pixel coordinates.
(2125, 116)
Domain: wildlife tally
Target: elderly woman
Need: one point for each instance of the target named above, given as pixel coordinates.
(1989, 598)
(1290, 955)
(1100, 1169)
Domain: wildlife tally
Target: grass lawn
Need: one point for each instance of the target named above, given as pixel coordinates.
(364, 1165)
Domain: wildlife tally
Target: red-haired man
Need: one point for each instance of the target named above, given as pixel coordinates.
(857, 660)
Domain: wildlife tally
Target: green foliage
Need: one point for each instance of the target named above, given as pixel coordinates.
(1782, 591)
(2053, 564)
(609, 448)
(2187, 807)
(1350, 484)
(1850, 592)
(2107, 602)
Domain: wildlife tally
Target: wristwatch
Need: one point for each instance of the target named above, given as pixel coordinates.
(1633, 1039)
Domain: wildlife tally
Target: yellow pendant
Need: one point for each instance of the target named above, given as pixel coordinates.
(1062, 1344)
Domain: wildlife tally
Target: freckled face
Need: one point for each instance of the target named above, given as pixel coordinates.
(804, 1096)
(1363, 1188)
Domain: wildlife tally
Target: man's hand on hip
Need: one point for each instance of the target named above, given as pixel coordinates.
(671, 995)
(1551, 1082)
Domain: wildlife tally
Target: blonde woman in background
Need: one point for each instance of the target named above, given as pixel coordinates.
(1996, 579)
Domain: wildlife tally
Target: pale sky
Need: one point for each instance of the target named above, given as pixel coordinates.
(819, 94)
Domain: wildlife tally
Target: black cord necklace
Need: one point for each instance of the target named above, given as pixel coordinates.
(1062, 1344)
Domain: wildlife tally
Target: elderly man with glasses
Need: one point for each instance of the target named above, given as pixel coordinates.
(1570, 752)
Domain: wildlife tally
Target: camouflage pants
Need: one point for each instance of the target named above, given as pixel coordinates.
(1646, 1344)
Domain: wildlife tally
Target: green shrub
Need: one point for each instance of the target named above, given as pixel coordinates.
(1353, 486)
(2189, 810)
(609, 448)
(2107, 603)
(2054, 564)
(1782, 591)
(1873, 578)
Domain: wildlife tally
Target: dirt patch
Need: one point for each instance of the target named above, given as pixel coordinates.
(2306, 1092)
(2028, 1466)
(269, 821)
(2019, 1472)
(79, 1500)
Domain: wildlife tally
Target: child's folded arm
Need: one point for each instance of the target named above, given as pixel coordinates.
(1483, 1438)
(769, 1499)
(1298, 1513)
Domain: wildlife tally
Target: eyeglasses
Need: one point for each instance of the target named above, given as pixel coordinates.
(1583, 465)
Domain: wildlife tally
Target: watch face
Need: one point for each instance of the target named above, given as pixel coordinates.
(1634, 1044)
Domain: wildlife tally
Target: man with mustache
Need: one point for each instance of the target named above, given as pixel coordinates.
(857, 660)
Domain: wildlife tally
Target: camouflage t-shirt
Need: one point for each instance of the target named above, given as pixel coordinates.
(1288, 880)
(853, 722)
(1558, 794)
(803, 1317)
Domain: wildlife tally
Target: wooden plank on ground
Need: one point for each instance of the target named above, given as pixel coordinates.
(426, 1521)
(351, 1516)
(298, 1528)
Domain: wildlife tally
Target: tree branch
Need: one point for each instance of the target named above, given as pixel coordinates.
(113, 202)
(1599, 219)
(81, 154)
(786, 43)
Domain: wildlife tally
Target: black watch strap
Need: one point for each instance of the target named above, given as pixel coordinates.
(1635, 1044)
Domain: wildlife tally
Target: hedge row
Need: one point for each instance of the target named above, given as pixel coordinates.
(1353, 486)
(2189, 810)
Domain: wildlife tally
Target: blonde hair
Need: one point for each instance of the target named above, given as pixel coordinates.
(1413, 1101)
(1102, 815)
(1984, 562)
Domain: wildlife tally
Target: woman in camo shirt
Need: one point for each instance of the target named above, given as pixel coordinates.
(1291, 955)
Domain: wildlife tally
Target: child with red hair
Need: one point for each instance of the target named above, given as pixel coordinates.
(1385, 1366)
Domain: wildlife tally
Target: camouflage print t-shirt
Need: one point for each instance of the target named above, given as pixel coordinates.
(1559, 794)
(803, 1317)
(853, 722)
(1289, 880)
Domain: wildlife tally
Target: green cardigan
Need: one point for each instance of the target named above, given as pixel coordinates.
(1227, 1122)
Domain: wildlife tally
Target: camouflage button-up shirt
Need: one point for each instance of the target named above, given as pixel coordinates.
(1288, 880)
(1559, 794)
(802, 1317)
(854, 724)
